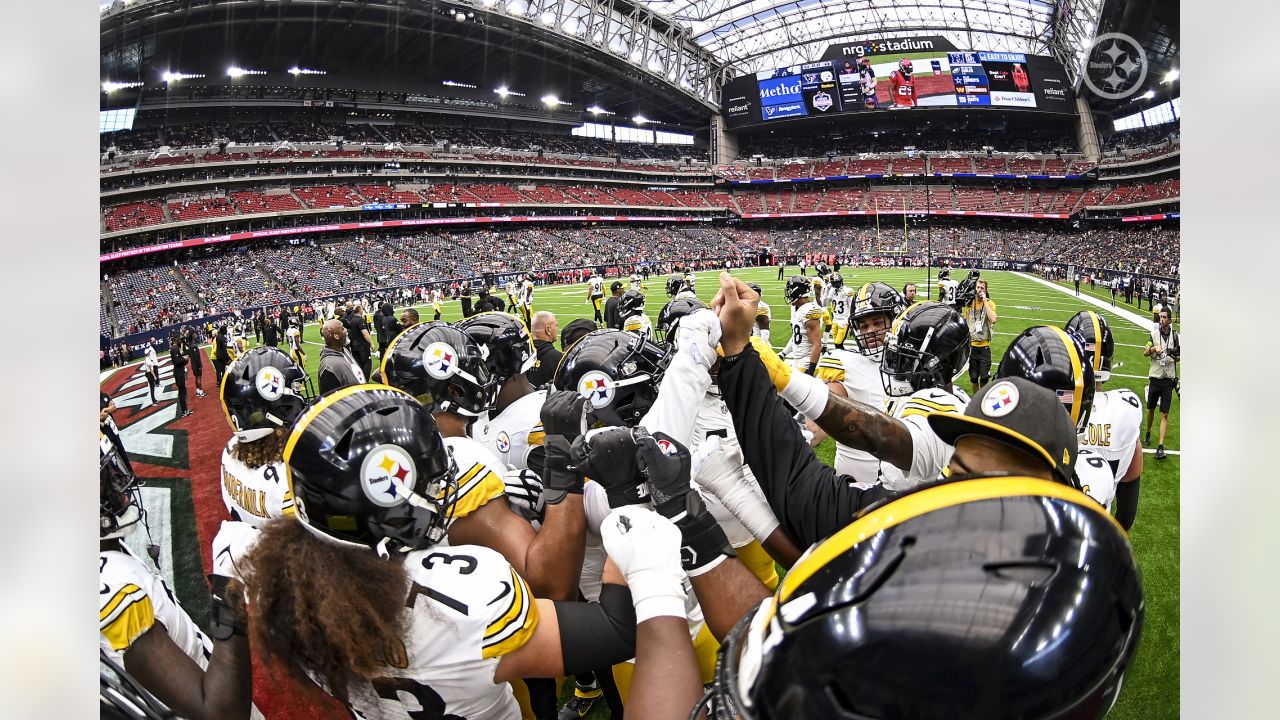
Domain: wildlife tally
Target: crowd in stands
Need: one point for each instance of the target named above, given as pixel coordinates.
(209, 281)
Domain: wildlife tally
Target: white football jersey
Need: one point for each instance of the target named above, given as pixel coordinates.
(254, 496)
(635, 281)
(514, 432)
(948, 290)
(1095, 476)
(132, 598)
(842, 304)
(685, 292)
(466, 608)
(294, 337)
(1115, 424)
(762, 311)
(929, 454)
(640, 324)
(799, 347)
(597, 286)
(526, 294)
(479, 476)
(860, 376)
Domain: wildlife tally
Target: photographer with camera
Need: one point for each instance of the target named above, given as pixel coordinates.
(1165, 350)
(980, 316)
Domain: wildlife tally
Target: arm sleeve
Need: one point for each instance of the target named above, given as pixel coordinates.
(810, 500)
(683, 387)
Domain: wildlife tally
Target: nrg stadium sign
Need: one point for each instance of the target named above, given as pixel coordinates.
(886, 47)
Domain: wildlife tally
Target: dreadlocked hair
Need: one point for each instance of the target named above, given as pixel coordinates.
(257, 453)
(317, 607)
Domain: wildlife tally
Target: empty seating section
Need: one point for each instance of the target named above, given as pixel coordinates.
(868, 167)
(1143, 192)
(132, 215)
(201, 209)
(386, 265)
(1026, 167)
(385, 194)
(989, 165)
(327, 196)
(911, 166)
(795, 170)
(951, 165)
(445, 193)
(249, 202)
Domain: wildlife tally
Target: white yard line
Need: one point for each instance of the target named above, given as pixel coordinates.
(1134, 318)
(1151, 451)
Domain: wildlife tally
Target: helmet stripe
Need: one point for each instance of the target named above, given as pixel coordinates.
(1077, 372)
(919, 503)
(1097, 341)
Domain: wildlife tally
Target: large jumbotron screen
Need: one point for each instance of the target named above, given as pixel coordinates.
(862, 77)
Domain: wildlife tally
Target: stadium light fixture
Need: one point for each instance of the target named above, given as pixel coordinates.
(1170, 76)
(1148, 94)
(171, 77)
(548, 18)
(550, 100)
(640, 119)
(502, 91)
(296, 71)
(452, 83)
(239, 72)
(111, 86)
(597, 110)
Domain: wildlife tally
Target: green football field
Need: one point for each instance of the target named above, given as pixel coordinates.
(1151, 687)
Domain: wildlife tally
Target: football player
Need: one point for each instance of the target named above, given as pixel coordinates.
(805, 344)
(1055, 359)
(763, 315)
(144, 628)
(293, 336)
(262, 395)
(1115, 418)
(841, 301)
(634, 319)
(867, 79)
(397, 622)
(857, 375)
(595, 295)
(902, 86)
(525, 301)
(512, 427)
(637, 281)
(946, 287)
(437, 302)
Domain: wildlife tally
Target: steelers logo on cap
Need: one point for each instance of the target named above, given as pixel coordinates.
(441, 360)
(387, 475)
(269, 383)
(597, 388)
(1000, 400)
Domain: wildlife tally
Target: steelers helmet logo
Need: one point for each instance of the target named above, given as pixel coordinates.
(597, 388)
(1001, 400)
(269, 383)
(667, 447)
(441, 360)
(387, 475)
(503, 442)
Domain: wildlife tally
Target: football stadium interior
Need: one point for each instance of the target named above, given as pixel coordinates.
(267, 165)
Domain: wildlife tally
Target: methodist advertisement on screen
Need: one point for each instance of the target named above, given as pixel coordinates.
(897, 75)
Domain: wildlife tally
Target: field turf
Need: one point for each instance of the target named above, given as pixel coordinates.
(1151, 689)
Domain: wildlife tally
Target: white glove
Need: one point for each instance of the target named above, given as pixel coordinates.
(233, 541)
(646, 548)
(524, 493)
(698, 335)
(717, 469)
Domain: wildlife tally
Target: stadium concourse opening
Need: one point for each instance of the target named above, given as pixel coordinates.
(282, 189)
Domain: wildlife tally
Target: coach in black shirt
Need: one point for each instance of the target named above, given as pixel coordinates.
(611, 319)
(270, 331)
(361, 340)
(545, 329)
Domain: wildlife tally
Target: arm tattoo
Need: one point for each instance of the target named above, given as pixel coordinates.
(862, 427)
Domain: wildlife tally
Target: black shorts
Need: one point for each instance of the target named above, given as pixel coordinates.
(979, 363)
(1160, 390)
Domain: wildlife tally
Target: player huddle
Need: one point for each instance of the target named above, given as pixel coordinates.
(452, 541)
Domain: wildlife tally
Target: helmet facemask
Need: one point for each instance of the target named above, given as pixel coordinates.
(119, 496)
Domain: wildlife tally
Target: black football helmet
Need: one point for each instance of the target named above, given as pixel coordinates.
(755, 287)
(442, 367)
(264, 389)
(836, 280)
(669, 318)
(822, 269)
(798, 286)
(1002, 597)
(505, 344)
(675, 284)
(631, 303)
(873, 298)
(944, 274)
(1053, 359)
(926, 347)
(1099, 345)
(367, 466)
(119, 501)
(616, 371)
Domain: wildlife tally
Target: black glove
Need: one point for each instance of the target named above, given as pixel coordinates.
(608, 456)
(813, 368)
(564, 413)
(225, 620)
(664, 465)
(560, 474)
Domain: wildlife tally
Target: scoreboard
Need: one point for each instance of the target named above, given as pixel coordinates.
(865, 77)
